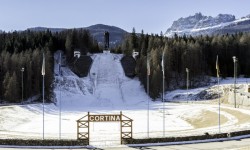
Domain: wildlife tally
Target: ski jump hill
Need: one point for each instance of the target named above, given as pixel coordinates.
(106, 84)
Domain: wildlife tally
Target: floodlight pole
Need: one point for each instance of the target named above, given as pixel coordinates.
(43, 74)
(148, 74)
(43, 107)
(22, 70)
(60, 114)
(60, 105)
(218, 78)
(235, 72)
(163, 100)
(187, 70)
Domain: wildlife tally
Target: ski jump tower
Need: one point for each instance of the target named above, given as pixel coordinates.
(106, 40)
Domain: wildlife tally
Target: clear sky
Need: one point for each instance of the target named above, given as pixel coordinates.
(153, 16)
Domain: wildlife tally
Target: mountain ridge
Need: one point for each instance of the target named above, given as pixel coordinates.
(116, 34)
(200, 24)
(96, 26)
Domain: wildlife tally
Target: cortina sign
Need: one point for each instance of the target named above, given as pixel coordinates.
(83, 125)
(104, 118)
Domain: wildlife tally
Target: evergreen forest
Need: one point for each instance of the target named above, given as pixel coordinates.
(25, 49)
(198, 54)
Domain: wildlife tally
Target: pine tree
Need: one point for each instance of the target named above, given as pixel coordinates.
(36, 66)
(125, 47)
(12, 89)
(28, 74)
(156, 83)
(49, 75)
(69, 46)
(5, 83)
(133, 41)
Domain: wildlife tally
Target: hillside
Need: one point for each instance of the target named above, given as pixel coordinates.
(97, 31)
(116, 34)
(199, 24)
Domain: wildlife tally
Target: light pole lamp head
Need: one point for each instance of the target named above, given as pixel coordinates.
(187, 70)
(22, 69)
(234, 59)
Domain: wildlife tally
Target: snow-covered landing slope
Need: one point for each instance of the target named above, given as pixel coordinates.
(106, 74)
(105, 86)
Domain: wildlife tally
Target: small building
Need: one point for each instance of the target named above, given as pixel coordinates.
(135, 54)
(81, 65)
(77, 53)
(128, 65)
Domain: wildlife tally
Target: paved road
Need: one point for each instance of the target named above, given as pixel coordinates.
(243, 144)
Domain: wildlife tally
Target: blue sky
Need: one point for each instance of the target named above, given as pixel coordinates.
(153, 16)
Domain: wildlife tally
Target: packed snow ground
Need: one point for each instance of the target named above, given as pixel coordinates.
(108, 91)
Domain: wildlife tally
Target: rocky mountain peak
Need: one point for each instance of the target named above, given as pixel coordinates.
(224, 18)
(186, 23)
(199, 24)
(200, 21)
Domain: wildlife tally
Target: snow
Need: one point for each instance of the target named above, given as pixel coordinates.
(208, 29)
(191, 94)
(106, 90)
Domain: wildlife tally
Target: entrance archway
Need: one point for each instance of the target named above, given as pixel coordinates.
(83, 131)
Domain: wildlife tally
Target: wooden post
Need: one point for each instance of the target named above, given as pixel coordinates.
(77, 130)
(121, 124)
(131, 129)
(88, 128)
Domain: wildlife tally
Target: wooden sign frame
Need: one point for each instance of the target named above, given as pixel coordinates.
(126, 125)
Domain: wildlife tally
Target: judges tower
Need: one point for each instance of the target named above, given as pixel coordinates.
(106, 40)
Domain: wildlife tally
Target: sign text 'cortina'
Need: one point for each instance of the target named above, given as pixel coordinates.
(104, 118)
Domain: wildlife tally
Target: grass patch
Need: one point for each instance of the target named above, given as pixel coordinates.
(242, 117)
(205, 119)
